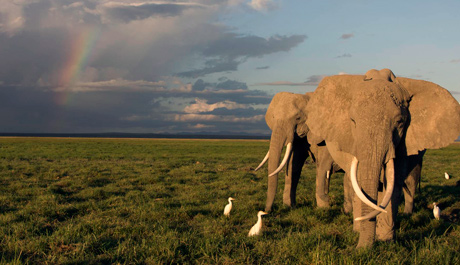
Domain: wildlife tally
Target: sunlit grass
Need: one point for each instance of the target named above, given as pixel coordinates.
(93, 201)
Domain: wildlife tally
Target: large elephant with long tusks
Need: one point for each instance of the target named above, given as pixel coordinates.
(286, 116)
(372, 124)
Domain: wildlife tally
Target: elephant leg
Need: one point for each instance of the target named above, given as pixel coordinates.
(323, 171)
(410, 184)
(347, 194)
(322, 199)
(409, 189)
(294, 169)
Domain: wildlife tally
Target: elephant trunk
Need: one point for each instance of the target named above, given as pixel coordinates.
(390, 183)
(369, 176)
(278, 138)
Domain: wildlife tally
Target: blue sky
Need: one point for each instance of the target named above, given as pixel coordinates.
(203, 65)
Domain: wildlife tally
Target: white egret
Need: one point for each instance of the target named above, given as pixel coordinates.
(446, 175)
(436, 211)
(257, 228)
(228, 207)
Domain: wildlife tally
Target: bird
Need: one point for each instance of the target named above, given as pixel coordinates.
(228, 207)
(257, 228)
(446, 175)
(436, 211)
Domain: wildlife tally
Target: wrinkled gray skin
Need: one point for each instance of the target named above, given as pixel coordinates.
(286, 118)
(378, 118)
(286, 113)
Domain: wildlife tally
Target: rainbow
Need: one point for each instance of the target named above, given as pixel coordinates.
(81, 48)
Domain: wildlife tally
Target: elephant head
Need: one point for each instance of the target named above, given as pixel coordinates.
(286, 118)
(369, 121)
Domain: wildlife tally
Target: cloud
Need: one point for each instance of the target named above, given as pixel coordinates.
(111, 65)
(311, 81)
(345, 55)
(455, 61)
(233, 49)
(201, 126)
(281, 83)
(138, 11)
(347, 36)
(217, 118)
(201, 105)
(263, 5)
(315, 79)
(262, 67)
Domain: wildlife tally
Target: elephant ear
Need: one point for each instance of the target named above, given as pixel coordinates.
(434, 116)
(328, 109)
(277, 100)
(283, 100)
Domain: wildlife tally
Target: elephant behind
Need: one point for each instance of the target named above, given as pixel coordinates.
(286, 116)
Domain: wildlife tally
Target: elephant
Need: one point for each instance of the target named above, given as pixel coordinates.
(286, 118)
(372, 125)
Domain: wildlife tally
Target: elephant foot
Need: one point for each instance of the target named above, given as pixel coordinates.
(389, 236)
(384, 232)
(322, 201)
(288, 201)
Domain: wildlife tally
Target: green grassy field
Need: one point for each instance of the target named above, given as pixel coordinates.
(133, 201)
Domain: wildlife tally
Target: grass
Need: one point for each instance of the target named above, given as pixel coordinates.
(125, 201)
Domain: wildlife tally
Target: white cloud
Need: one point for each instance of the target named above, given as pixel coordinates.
(201, 105)
(263, 5)
(201, 126)
(219, 118)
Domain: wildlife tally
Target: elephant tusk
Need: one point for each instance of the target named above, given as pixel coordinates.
(390, 174)
(327, 174)
(285, 159)
(263, 161)
(354, 183)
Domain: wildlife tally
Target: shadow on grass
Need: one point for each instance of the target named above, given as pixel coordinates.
(422, 224)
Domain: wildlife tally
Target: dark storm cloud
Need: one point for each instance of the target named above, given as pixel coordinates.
(233, 49)
(29, 55)
(225, 84)
(228, 89)
(132, 108)
(98, 66)
(127, 13)
(262, 68)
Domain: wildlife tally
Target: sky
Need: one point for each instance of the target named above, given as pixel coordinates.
(95, 66)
